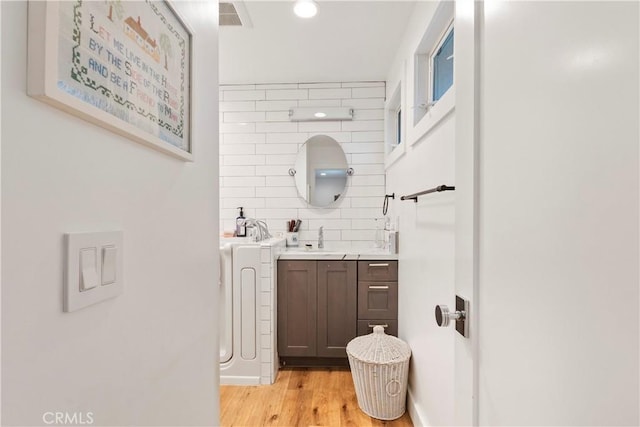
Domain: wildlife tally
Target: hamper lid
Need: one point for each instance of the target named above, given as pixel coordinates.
(379, 347)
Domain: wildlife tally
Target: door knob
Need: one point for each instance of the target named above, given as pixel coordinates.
(444, 316)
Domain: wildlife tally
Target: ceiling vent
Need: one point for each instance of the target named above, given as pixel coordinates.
(234, 14)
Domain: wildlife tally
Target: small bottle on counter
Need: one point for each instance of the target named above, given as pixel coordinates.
(241, 229)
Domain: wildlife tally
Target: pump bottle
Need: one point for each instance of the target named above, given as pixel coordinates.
(241, 229)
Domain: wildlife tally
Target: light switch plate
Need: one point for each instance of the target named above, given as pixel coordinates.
(76, 293)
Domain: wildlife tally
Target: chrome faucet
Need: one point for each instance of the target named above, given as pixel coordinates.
(320, 238)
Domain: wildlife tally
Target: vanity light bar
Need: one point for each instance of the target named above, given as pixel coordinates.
(314, 114)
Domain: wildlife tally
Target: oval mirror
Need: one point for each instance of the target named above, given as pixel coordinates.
(321, 171)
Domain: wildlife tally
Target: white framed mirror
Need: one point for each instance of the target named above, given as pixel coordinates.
(320, 171)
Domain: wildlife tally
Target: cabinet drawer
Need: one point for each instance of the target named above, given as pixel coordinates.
(366, 326)
(378, 271)
(377, 300)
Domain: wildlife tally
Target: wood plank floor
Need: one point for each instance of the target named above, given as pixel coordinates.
(300, 397)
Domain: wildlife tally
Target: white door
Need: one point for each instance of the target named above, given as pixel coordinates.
(555, 202)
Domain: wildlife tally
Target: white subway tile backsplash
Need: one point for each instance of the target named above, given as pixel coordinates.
(367, 180)
(319, 213)
(329, 224)
(275, 214)
(277, 86)
(364, 103)
(280, 181)
(277, 149)
(320, 103)
(338, 136)
(312, 235)
(237, 87)
(246, 192)
(273, 192)
(237, 149)
(237, 171)
(367, 125)
(277, 116)
(375, 136)
(377, 114)
(288, 202)
(287, 94)
(287, 138)
(278, 170)
(363, 147)
(240, 117)
(237, 106)
(281, 159)
(367, 202)
(319, 85)
(329, 93)
(366, 191)
(275, 105)
(368, 223)
(243, 95)
(228, 128)
(363, 158)
(363, 84)
(246, 202)
(243, 160)
(276, 127)
(368, 92)
(359, 234)
(256, 157)
(243, 138)
(242, 181)
(319, 126)
(373, 169)
(358, 213)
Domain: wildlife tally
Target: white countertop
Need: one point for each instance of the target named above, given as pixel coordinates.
(329, 254)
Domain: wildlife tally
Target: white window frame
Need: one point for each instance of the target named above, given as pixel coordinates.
(426, 114)
(395, 103)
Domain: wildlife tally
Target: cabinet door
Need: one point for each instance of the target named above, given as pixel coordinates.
(337, 306)
(297, 300)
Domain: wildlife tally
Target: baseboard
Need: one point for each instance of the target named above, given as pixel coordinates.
(238, 380)
(415, 413)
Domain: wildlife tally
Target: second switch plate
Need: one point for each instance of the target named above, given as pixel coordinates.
(93, 268)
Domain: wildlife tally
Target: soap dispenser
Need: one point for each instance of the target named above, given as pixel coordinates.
(241, 229)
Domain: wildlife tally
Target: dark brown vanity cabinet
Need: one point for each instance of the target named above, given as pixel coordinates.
(322, 305)
(317, 307)
(377, 296)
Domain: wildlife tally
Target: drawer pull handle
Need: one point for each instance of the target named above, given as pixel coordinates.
(382, 264)
(384, 326)
(378, 287)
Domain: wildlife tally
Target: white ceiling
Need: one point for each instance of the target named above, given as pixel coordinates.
(345, 41)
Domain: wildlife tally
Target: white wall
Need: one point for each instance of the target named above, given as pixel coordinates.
(426, 236)
(149, 356)
(259, 145)
(558, 220)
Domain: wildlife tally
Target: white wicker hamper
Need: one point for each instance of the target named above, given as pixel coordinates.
(380, 369)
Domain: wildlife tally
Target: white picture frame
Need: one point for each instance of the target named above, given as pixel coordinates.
(124, 66)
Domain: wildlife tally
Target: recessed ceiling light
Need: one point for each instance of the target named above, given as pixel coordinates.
(320, 114)
(305, 8)
(323, 174)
